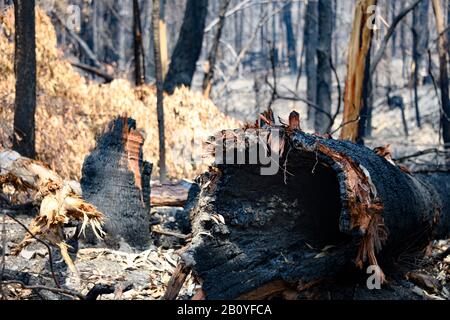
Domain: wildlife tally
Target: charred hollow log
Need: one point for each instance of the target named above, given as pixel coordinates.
(117, 181)
(332, 204)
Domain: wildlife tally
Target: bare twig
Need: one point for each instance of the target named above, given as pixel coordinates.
(66, 292)
(100, 73)
(338, 110)
(421, 153)
(240, 6)
(380, 53)
(84, 46)
(344, 124)
(171, 234)
(265, 17)
(50, 256)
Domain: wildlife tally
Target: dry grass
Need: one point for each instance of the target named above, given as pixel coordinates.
(71, 111)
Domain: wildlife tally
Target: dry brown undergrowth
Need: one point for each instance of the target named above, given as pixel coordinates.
(72, 111)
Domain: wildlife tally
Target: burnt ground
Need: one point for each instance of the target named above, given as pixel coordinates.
(415, 276)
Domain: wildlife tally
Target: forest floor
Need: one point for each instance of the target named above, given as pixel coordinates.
(71, 113)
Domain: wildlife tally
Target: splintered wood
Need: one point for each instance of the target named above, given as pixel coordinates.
(60, 202)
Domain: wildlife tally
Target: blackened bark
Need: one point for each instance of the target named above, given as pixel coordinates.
(139, 55)
(276, 231)
(365, 122)
(189, 45)
(25, 69)
(322, 122)
(310, 44)
(290, 38)
(116, 180)
(159, 90)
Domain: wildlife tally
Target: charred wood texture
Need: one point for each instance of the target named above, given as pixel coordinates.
(333, 204)
(25, 69)
(117, 181)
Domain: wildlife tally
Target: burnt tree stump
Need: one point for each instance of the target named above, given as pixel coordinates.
(116, 179)
(332, 204)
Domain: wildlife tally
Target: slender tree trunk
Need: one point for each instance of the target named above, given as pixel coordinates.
(403, 43)
(189, 45)
(359, 48)
(160, 91)
(440, 25)
(25, 69)
(121, 35)
(365, 123)
(310, 39)
(420, 45)
(87, 28)
(139, 56)
(324, 83)
(290, 38)
(209, 74)
(448, 22)
(394, 35)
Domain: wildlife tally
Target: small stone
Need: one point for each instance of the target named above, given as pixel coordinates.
(27, 254)
(447, 259)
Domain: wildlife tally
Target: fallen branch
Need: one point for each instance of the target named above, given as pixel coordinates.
(93, 294)
(170, 233)
(93, 70)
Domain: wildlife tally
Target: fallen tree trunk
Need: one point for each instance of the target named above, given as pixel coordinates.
(169, 194)
(332, 204)
(116, 179)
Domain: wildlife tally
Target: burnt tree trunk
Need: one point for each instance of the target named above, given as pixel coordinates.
(139, 55)
(25, 69)
(117, 181)
(255, 236)
(188, 48)
(290, 38)
(310, 40)
(359, 48)
(365, 123)
(322, 118)
(159, 90)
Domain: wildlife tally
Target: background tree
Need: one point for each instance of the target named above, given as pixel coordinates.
(160, 91)
(209, 74)
(443, 79)
(324, 83)
(139, 55)
(290, 38)
(189, 45)
(359, 48)
(310, 43)
(25, 69)
(420, 45)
